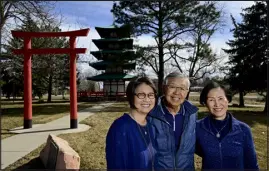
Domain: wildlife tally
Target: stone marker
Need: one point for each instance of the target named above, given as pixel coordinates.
(57, 154)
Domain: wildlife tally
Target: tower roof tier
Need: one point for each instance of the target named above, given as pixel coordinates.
(108, 76)
(114, 32)
(114, 54)
(113, 44)
(102, 65)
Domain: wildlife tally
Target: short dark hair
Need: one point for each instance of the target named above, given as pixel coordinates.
(133, 84)
(211, 85)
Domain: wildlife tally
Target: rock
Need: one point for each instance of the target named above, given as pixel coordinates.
(57, 154)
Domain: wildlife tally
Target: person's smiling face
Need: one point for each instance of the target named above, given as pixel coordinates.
(144, 99)
(217, 103)
(176, 90)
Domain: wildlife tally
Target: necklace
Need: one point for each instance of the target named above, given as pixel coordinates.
(218, 132)
(145, 141)
(147, 144)
(145, 131)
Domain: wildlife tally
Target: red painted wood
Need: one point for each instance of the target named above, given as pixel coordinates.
(83, 32)
(27, 52)
(50, 51)
(73, 80)
(27, 81)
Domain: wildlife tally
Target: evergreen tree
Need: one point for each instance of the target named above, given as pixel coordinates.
(248, 51)
(47, 70)
(164, 20)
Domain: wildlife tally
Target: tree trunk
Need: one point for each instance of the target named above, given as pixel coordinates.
(49, 89)
(63, 95)
(161, 69)
(266, 102)
(187, 97)
(241, 99)
(160, 48)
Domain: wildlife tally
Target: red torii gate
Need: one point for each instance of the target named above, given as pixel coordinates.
(27, 51)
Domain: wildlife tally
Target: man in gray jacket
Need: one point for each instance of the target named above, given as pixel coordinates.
(174, 120)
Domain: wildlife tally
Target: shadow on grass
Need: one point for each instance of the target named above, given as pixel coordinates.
(18, 102)
(38, 131)
(249, 117)
(116, 109)
(46, 109)
(35, 163)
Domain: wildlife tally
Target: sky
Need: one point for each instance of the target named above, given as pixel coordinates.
(91, 14)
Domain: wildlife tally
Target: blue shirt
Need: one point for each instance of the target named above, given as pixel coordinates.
(176, 121)
(128, 147)
(167, 157)
(234, 152)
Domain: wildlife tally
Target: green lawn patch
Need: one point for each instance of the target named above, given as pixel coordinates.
(90, 144)
(12, 114)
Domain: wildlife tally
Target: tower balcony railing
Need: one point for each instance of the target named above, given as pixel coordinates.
(97, 94)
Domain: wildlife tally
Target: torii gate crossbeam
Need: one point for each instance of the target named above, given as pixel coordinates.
(27, 51)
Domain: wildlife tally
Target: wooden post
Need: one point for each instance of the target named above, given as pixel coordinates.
(27, 84)
(27, 52)
(73, 85)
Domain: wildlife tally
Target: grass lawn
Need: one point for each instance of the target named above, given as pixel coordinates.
(90, 145)
(12, 113)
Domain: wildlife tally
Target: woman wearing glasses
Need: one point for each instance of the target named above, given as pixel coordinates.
(222, 141)
(129, 142)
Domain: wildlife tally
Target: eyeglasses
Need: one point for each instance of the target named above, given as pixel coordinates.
(174, 88)
(143, 95)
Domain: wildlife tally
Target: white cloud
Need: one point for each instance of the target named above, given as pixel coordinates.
(79, 15)
(74, 23)
(84, 42)
(101, 5)
(145, 40)
(235, 7)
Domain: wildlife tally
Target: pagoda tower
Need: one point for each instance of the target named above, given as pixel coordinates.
(115, 56)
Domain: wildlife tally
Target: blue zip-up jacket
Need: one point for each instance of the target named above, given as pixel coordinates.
(167, 156)
(234, 151)
(126, 148)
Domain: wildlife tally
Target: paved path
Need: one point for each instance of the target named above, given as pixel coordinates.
(27, 140)
(246, 105)
(194, 94)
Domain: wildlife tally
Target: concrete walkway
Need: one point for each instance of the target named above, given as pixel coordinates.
(246, 105)
(27, 140)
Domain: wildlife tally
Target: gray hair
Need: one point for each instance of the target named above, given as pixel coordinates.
(176, 75)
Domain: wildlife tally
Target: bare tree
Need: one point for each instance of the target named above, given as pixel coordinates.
(194, 56)
(163, 20)
(18, 10)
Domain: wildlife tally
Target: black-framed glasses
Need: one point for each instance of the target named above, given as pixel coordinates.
(143, 95)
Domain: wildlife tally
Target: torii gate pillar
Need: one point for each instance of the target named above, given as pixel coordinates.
(27, 93)
(27, 51)
(73, 85)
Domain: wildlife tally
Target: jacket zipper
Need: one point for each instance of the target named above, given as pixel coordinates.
(174, 151)
(174, 124)
(173, 141)
(220, 155)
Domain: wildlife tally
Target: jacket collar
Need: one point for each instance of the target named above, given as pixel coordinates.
(189, 109)
(235, 125)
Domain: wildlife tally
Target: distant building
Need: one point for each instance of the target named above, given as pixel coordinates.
(116, 56)
(196, 89)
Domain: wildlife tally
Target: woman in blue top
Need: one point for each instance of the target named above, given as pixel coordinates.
(222, 141)
(129, 142)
